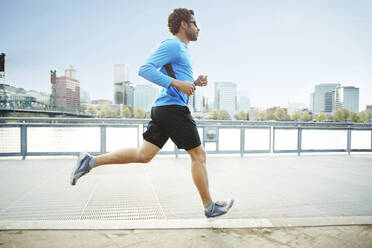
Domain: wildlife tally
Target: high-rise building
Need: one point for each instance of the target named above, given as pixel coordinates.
(319, 96)
(124, 93)
(121, 73)
(347, 97)
(368, 107)
(244, 103)
(225, 97)
(144, 96)
(328, 101)
(196, 101)
(65, 91)
(312, 101)
(84, 96)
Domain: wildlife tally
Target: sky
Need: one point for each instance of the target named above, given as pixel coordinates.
(276, 51)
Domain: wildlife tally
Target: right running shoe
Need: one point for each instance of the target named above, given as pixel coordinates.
(81, 168)
(219, 208)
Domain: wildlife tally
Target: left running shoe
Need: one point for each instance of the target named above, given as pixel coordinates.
(81, 168)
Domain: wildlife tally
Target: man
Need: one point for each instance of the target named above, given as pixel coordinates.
(170, 116)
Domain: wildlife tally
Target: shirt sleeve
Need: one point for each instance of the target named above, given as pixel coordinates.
(165, 54)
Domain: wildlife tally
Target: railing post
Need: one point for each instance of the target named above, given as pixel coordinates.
(348, 140)
(273, 140)
(242, 141)
(23, 141)
(218, 139)
(103, 139)
(299, 141)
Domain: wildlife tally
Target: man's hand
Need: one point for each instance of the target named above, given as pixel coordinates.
(186, 87)
(202, 80)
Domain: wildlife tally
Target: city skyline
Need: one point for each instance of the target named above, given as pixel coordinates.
(274, 52)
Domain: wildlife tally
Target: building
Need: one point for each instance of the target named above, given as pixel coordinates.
(271, 111)
(244, 103)
(312, 101)
(196, 103)
(84, 96)
(347, 97)
(101, 102)
(253, 113)
(225, 97)
(368, 107)
(328, 101)
(294, 107)
(40, 97)
(13, 97)
(144, 96)
(124, 93)
(65, 91)
(319, 96)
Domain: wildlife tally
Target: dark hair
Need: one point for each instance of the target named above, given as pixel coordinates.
(175, 18)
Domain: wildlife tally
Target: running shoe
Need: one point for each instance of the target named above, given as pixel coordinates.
(81, 168)
(219, 208)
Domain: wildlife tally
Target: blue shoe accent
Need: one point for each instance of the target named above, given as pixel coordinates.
(220, 208)
(81, 168)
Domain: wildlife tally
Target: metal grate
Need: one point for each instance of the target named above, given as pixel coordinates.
(162, 191)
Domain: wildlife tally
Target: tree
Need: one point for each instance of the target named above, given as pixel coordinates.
(340, 115)
(92, 110)
(107, 112)
(262, 116)
(127, 112)
(353, 116)
(223, 115)
(139, 113)
(321, 117)
(306, 116)
(280, 115)
(242, 116)
(295, 116)
(83, 108)
(214, 114)
(365, 115)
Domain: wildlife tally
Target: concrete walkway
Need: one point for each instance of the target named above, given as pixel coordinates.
(312, 237)
(314, 200)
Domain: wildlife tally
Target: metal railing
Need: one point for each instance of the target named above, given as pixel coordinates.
(211, 132)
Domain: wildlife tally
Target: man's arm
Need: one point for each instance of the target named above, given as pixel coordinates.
(164, 55)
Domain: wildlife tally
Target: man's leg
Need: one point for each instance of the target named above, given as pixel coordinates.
(199, 173)
(86, 162)
(200, 176)
(144, 154)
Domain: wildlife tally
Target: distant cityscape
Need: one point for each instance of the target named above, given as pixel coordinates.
(328, 102)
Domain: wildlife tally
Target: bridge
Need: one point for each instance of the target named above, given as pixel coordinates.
(6, 112)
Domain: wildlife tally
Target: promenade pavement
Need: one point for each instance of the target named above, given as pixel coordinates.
(281, 201)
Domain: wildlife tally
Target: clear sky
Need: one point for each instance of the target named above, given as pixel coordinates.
(275, 50)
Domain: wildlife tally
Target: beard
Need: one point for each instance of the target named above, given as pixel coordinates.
(192, 36)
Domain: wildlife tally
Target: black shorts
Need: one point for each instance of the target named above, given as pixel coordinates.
(175, 122)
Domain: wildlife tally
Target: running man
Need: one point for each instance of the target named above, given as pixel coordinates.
(170, 116)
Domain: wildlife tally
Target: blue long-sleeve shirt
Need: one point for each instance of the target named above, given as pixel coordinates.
(175, 52)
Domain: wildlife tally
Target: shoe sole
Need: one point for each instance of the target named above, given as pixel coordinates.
(228, 211)
(72, 178)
